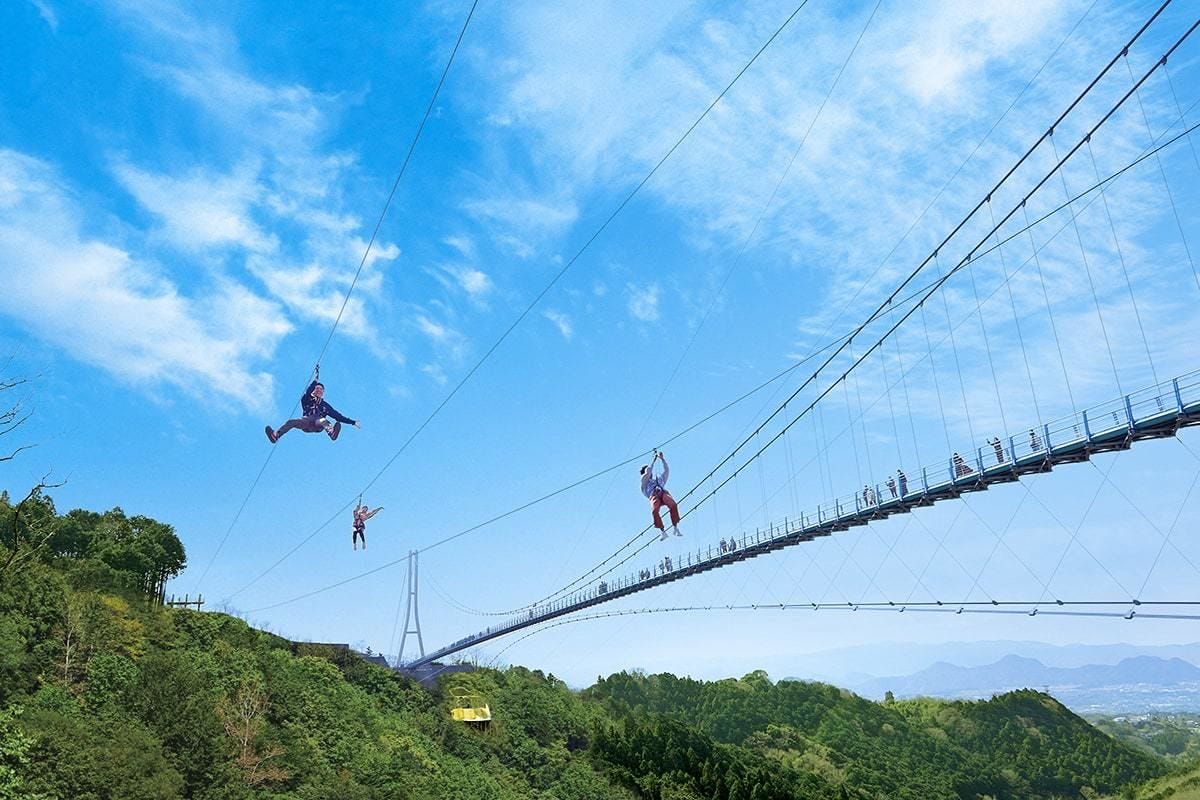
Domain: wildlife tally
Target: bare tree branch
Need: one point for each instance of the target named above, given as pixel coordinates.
(14, 453)
(16, 556)
(7, 418)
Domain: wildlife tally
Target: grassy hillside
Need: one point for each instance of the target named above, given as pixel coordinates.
(1023, 744)
(105, 695)
(1181, 785)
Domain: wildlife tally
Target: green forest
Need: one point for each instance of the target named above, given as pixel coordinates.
(106, 694)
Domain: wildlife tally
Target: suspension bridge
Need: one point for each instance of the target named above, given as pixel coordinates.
(1153, 413)
(1023, 306)
(1158, 411)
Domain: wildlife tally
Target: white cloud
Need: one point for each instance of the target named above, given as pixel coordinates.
(435, 373)
(46, 11)
(591, 99)
(522, 223)
(445, 338)
(561, 321)
(463, 244)
(643, 301)
(476, 283)
(201, 209)
(954, 42)
(473, 281)
(434, 330)
(306, 290)
(281, 204)
(356, 247)
(107, 308)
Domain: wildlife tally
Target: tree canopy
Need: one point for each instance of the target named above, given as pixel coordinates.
(106, 695)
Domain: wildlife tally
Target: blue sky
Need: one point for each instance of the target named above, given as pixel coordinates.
(185, 195)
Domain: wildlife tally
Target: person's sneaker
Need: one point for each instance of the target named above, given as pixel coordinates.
(335, 430)
(675, 530)
(662, 537)
(271, 435)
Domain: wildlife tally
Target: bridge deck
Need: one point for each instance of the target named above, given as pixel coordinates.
(1152, 413)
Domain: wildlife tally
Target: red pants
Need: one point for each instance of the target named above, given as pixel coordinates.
(659, 500)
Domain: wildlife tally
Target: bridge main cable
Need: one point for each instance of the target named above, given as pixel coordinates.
(886, 304)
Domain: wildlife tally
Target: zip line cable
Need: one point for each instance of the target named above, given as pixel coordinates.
(362, 263)
(594, 475)
(562, 489)
(395, 184)
(570, 263)
(929, 288)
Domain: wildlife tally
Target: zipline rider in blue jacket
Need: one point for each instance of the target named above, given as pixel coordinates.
(316, 413)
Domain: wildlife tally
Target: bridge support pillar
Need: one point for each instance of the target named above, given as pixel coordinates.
(412, 622)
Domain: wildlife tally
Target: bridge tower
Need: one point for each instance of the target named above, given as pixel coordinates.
(412, 622)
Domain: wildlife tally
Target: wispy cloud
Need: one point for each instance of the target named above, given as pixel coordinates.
(463, 244)
(435, 373)
(522, 224)
(474, 282)
(643, 301)
(46, 11)
(124, 315)
(201, 209)
(592, 100)
(285, 179)
(447, 340)
(958, 41)
(561, 321)
(434, 330)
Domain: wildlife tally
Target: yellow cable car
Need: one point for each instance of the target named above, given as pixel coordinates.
(469, 707)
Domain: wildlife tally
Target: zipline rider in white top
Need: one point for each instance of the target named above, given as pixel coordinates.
(655, 488)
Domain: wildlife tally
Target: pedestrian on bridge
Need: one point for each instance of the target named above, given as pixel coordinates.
(655, 489)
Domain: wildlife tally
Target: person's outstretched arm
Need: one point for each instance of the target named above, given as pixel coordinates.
(373, 513)
(330, 411)
(666, 470)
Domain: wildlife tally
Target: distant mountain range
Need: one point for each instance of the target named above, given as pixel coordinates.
(1138, 684)
(904, 658)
